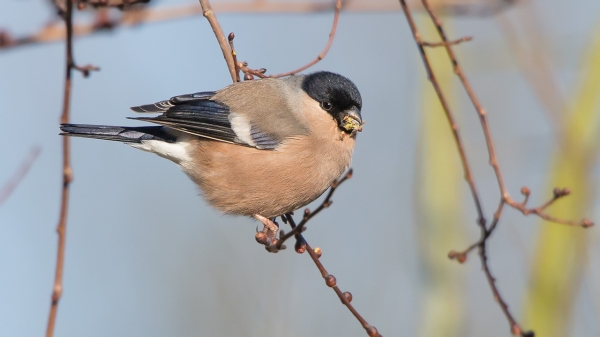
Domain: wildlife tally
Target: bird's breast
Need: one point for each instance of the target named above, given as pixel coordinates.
(245, 181)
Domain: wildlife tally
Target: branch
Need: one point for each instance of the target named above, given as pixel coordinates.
(486, 129)
(14, 181)
(338, 7)
(309, 215)
(330, 281)
(452, 43)
(449, 115)
(67, 174)
(120, 4)
(505, 198)
(301, 246)
(216, 27)
(55, 32)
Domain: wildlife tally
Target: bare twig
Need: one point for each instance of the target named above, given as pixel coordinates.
(55, 32)
(330, 280)
(309, 215)
(449, 115)
(120, 4)
(531, 52)
(505, 198)
(301, 246)
(455, 42)
(216, 27)
(14, 181)
(336, 16)
(67, 174)
(485, 126)
(250, 73)
(234, 55)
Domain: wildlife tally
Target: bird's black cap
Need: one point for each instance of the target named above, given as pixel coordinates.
(334, 92)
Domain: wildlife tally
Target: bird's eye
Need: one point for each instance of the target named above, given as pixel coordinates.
(326, 105)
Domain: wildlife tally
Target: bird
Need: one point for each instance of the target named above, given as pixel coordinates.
(259, 148)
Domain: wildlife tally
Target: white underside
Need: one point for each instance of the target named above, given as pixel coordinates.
(176, 152)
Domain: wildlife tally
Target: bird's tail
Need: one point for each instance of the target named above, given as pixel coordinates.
(123, 134)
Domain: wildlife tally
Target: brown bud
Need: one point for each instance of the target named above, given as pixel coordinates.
(372, 331)
(585, 223)
(300, 246)
(348, 296)
(5, 39)
(330, 281)
(525, 191)
(261, 238)
(557, 192)
(231, 36)
(461, 257)
(565, 191)
(318, 251)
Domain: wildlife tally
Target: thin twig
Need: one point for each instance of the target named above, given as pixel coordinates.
(21, 172)
(532, 55)
(505, 198)
(234, 55)
(449, 115)
(209, 14)
(452, 43)
(331, 282)
(309, 215)
(67, 171)
(486, 129)
(55, 32)
(336, 16)
(120, 4)
(250, 73)
(468, 176)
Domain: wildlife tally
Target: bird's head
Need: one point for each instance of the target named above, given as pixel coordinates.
(337, 96)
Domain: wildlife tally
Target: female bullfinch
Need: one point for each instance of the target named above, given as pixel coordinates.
(258, 148)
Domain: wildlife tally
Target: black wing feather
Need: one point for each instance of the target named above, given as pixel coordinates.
(194, 114)
(198, 115)
(163, 106)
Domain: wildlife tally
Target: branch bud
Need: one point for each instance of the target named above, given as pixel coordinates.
(330, 281)
(372, 331)
(318, 251)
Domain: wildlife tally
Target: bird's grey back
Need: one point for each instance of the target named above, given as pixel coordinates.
(272, 106)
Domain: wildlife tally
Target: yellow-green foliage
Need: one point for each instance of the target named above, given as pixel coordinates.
(439, 217)
(561, 251)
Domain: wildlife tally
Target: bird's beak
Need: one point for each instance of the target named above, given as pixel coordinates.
(351, 120)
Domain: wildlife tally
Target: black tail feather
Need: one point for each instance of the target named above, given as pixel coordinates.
(124, 134)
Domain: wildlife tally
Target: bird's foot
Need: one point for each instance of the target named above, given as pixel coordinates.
(268, 235)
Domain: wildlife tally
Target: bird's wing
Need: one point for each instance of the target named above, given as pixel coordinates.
(199, 115)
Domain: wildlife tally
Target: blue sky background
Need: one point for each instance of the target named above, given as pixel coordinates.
(147, 257)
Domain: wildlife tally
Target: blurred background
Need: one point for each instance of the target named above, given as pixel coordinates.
(146, 256)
